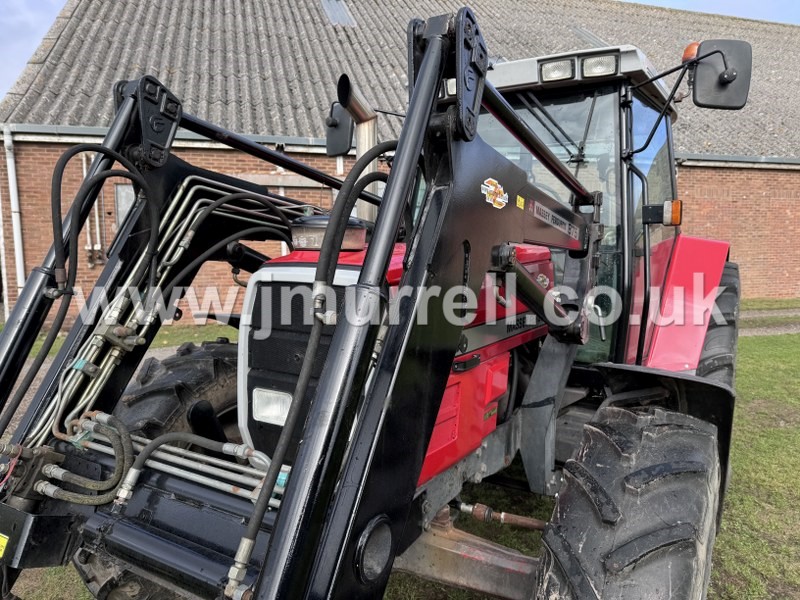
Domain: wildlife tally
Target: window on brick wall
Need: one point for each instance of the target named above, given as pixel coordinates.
(124, 198)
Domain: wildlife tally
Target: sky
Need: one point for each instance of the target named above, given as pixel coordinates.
(23, 23)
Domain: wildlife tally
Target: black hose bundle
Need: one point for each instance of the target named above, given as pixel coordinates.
(122, 445)
(132, 173)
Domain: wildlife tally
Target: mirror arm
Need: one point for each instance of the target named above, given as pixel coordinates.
(627, 154)
(688, 63)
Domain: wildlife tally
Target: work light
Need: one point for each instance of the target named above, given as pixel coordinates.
(557, 70)
(271, 406)
(598, 66)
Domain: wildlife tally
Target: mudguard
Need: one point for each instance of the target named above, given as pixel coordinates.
(688, 297)
(713, 402)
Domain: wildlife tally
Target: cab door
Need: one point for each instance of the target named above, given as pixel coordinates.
(651, 180)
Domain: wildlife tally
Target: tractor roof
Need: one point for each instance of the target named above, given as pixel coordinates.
(631, 64)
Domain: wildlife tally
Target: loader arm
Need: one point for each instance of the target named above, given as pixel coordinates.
(365, 439)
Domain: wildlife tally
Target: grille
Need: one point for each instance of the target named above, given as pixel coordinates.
(281, 326)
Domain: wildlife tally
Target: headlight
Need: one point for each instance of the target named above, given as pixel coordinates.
(557, 70)
(308, 233)
(271, 406)
(598, 66)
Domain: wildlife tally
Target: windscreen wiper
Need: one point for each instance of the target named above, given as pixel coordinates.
(532, 98)
(578, 160)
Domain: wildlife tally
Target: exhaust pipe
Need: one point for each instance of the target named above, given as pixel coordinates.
(366, 120)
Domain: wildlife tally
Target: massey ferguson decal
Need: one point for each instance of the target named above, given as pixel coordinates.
(495, 195)
(548, 216)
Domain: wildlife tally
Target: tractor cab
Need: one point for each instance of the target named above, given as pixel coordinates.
(607, 115)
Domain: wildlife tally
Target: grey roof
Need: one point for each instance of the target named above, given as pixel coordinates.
(270, 66)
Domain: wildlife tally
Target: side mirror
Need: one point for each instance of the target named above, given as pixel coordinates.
(339, 128)
(722, 76)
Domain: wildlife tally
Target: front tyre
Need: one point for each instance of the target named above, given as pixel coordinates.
(160, 400)
(636, 515)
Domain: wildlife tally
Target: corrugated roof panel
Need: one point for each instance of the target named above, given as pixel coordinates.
(269, 67)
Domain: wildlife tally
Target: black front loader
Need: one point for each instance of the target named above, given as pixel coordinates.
(349, 506)
(344, 493)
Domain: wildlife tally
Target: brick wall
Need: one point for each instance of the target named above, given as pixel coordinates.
(35, 163)
(752, 208)
(756, 210)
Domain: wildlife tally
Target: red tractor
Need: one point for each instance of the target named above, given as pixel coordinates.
(525, 290)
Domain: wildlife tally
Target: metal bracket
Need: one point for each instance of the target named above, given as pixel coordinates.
(34, 540)
(451, 556)
(472, 63)
(159, 112)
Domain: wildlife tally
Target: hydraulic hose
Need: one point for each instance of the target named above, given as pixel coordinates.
(242, 196)
(152, 242)
(271, 478)
(55, 196)
(125, 490)
(324, 274)
(340, 226)
(123, 458)
(175, 436)
(66, 298)
(123, 452)
(247, 543)
(127, 451)
(36, 366)
(339, 214)
(328, 253)
(167, 290)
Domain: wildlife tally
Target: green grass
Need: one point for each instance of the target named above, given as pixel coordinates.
(770, 303)
(56, 583)
(778, 321)
(177, 334)
(757, 552)
(169, 335)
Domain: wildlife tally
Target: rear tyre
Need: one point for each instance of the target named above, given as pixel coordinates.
(636, 515)
(159, 400)
(718, 357)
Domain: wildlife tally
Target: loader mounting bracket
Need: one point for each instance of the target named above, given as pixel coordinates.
(160, 114)
(472, 62)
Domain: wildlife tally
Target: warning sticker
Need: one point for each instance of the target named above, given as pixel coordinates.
(548, 216)
(3, 544)
(520, 202)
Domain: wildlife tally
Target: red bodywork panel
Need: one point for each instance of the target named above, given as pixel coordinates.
(468, 412)
(687, 298)
(348, 259)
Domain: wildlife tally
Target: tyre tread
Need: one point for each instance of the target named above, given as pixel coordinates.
(666, 490)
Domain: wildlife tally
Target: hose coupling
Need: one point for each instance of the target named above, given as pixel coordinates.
(52, 471)
(45, 488)
(238, 570)
(125, 491)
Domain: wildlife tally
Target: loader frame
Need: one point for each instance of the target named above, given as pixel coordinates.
(356, 474)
